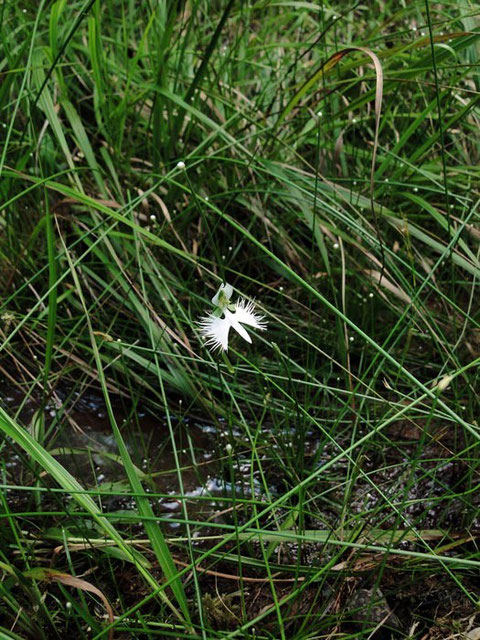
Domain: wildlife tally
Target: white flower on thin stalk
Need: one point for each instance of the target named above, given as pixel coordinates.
(215, 326)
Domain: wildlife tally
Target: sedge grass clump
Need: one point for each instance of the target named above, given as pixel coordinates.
(340, 438)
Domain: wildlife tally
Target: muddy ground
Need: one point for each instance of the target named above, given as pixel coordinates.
(365, 593)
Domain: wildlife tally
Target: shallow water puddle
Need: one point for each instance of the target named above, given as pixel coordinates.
(81, 439)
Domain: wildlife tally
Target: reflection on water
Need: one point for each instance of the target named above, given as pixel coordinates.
(183, 473)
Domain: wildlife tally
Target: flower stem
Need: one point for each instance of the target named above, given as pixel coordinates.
(227, 362)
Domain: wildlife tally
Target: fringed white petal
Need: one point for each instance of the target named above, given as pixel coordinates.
(245, 313)
(216, 331)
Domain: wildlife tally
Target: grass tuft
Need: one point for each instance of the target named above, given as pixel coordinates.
(321, 482)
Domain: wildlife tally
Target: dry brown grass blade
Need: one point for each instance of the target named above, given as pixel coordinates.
(376, 277)
(237, 578)
(51, 575)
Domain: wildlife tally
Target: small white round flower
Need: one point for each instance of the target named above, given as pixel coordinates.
(228, 448)
(180, 165)
(153, 217)
(336, 245)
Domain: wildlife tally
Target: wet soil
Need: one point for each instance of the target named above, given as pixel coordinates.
(403, 600)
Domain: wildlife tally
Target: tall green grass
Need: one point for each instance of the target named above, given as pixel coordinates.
(331, 173)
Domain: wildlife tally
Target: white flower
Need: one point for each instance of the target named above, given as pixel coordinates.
(222, 297)
(216, 328)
